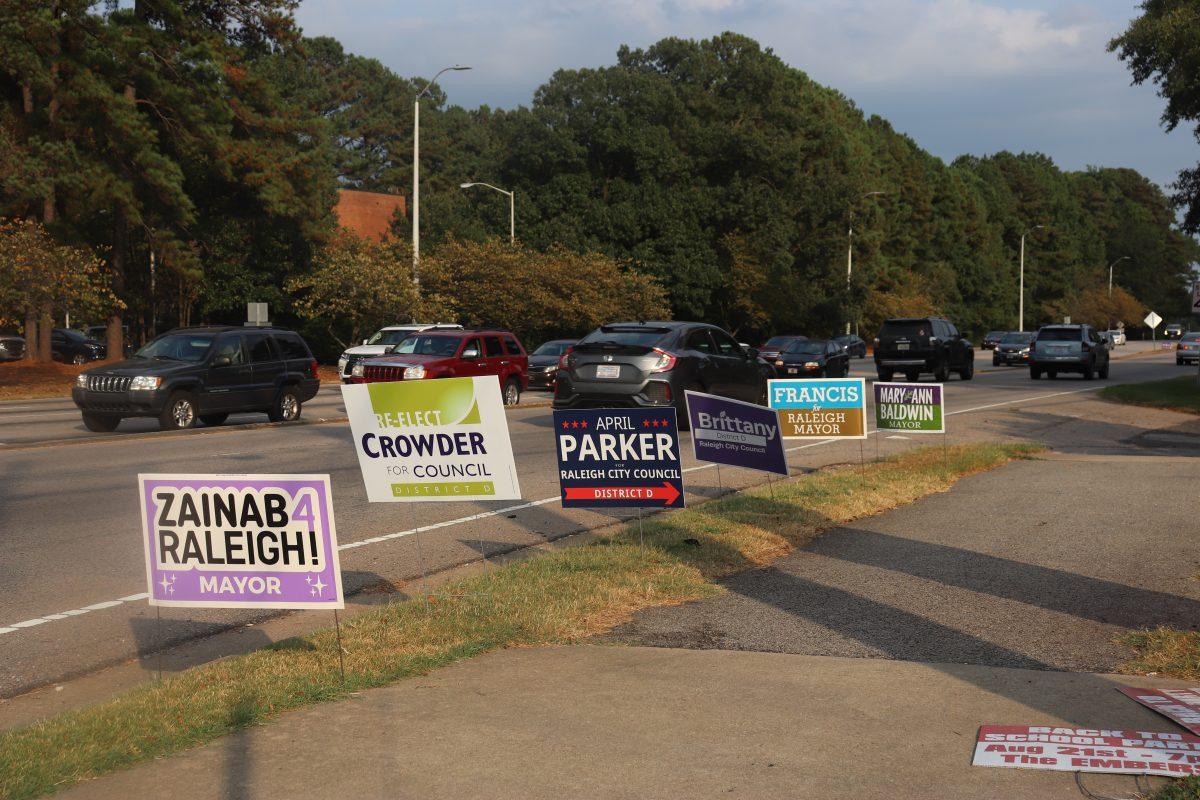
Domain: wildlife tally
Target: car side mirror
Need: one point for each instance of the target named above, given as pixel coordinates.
(365, 341)
(470, 353)
(222, 361)
(752, 354)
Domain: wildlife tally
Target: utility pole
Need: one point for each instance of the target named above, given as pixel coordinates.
(1021, 289)
(850, 256)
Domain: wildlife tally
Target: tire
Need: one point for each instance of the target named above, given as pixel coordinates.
(995, 362)
(286, 407)
(1104, 371)
(942, 373)
(1052, 374)
(101, 423)
(912, 377)
(212, 420)
(179, 412)
(1035, 374)
(1089, 371)
(885, 375)
(512, 392)
(968, 372)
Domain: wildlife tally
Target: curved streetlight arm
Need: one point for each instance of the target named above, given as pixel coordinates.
(512, 206)
(488, 185)
(433, 80)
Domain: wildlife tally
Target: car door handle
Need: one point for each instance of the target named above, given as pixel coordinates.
(504, 363)
(481, 363)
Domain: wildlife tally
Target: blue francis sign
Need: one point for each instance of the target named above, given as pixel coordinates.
(735, 433)
(619, 457)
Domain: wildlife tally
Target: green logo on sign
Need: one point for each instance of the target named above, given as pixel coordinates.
(409, 404)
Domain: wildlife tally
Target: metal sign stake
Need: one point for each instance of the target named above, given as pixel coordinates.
(337, 624)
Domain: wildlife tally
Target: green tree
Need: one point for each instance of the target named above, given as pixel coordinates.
(1163, 46)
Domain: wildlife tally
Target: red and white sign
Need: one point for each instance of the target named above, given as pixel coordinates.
(667, 493)
(1087, 750)
(1181, 705)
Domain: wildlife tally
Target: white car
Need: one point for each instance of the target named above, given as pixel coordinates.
(1118, 336)
(380, 342)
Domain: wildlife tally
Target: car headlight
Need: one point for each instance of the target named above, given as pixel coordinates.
(357, 370)
(414, 373)
(81, 381)
(779, 363)
(1024, 352)
(143, 383)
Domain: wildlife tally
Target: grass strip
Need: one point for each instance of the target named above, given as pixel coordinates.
(1163, 651)
(549, 599)
(1175, 394)
(1184, 789)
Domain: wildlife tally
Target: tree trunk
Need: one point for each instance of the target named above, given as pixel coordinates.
(31, 335)
(45, 323)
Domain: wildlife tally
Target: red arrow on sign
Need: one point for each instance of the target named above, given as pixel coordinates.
(667, 493)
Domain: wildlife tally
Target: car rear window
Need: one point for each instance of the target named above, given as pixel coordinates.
(1060, 335)
(907, 328)
(426, 345)
(637, 337)
(1191, 337)
(292, 346)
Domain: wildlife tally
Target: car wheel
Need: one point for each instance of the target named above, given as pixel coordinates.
(512, 392)
(213, 419)
(942, 373)
(885, 375)
(78, 360)
(1089, 372)
(101, 423)
(179, 413)
(968, 372)
(1051, 374)
(286, 407)
(995, 362)
(1035, 374)
(912, 377)
(1104, 371)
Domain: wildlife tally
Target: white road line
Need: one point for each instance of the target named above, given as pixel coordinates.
(13, 627)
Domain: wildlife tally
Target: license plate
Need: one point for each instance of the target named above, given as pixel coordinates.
(792, 371)
(902, 346)
(608, 371)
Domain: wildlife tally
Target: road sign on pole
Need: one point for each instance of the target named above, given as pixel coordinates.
(1152, 321)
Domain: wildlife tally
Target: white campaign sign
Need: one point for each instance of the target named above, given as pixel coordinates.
(444, 439)
(1152, 320)
(1087, 750)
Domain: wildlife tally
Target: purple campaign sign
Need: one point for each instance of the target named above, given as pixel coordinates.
(240, 541)
(731, 432)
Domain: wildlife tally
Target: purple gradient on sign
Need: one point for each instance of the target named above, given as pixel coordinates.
(294, 587)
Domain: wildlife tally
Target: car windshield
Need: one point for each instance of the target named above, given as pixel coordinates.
(778, 341)
(1017, 338)
(387, 337)
(807, 348)
(426, 345)
(552, 349)
(906, 327)
(638, 337)
(178, 347)
(1060, 335)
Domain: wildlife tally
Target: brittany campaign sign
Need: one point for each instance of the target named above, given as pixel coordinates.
(441, 439)
(912, 407)
(739, 434)
(619, 457)
(820, 408)
(240, 541)
(1087, 750)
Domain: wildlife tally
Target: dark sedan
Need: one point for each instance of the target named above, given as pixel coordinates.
(772, 347)
(991, 340)
(647, 364)
(543, 363)
(813, 358)
(1013, 349)
(854, 346)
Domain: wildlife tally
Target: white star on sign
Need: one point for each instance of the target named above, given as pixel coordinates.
(165, 584)
(320, 587)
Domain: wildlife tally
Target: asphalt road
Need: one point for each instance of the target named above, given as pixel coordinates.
(73, 569)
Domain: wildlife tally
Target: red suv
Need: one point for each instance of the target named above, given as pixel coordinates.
(451, 354)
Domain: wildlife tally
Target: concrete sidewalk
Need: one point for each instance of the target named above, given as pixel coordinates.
(631, 722)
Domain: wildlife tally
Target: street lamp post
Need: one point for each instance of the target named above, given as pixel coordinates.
(1110, 271)
(850, 255)
(1021, 289)
(512, 207)
(416, 194)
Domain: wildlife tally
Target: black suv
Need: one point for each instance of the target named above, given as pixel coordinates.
(632, 364)
(912, 346)
(72, 347)
(204, 374)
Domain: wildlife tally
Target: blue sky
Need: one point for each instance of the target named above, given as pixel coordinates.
(959, 76)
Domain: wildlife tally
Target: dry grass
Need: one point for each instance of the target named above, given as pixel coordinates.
(554, 598)
(25, 380)
(1163, 651)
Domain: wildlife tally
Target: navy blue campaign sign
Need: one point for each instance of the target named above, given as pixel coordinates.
(619, 458)
(731, 432)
